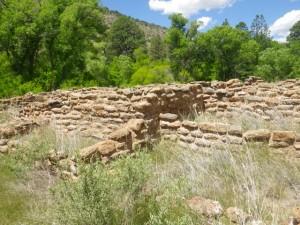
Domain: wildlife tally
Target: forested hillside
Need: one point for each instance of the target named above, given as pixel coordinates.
(149, 29)
(51, 44)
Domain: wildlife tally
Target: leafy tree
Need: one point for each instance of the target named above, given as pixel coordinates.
(46, 41)
(9, 81)
(192, 30)
(224, 49)
(276, 64)
(158, 73)
(125, 36)
(141, 57)
(157, 48)
(294, 33)
(260, 31)
(247, 59)
(242, 26)
(120, 70)
(178, 21)
(225, 22)
(181, 42)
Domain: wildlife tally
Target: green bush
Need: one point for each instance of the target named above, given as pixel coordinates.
(103, 194)
(157, 74)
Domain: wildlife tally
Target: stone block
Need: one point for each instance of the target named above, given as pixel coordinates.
(168, 116)
(218, 128)
(202, 142)
(261, 135)
(197, 133)
(190, 125)
(187, 139)
(235, 130)
(206, 207)
(183, 131)
(283, 136)
(237, 215)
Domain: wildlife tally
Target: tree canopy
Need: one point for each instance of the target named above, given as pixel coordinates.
(50, 44)
(294, 33)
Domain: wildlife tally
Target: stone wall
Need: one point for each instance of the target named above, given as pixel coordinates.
(127, 117)
(96, 112)
(254, 97)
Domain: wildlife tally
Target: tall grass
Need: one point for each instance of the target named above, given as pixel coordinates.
(250, 122)
(24, 186)
(248, 177)
(151, 187)
(7, 115)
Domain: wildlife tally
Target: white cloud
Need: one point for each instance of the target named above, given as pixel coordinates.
(188, 7)
(281, 40)
(280, 28)
(205, 20)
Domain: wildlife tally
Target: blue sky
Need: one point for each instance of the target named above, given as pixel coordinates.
(279, 14)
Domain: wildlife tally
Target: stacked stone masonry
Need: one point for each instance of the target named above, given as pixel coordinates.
(155, 111)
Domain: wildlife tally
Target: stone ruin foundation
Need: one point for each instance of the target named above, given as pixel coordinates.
(121, 119)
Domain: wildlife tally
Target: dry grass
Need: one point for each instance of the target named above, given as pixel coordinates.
(7, 115)
(250, 122)
(250, 177)
(31, 185)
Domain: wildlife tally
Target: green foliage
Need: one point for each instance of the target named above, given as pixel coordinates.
(294, 33)
(225, 46)
(13, 202)
(120, 70)
(8, 80)
(247, 59)
(119, 193)
(242, 26)
(178, 21)
(260, 31)
(277, 64)
(157, 48)
(225, 22)
(125, 36)
(45, 41)
(156, 74)
(184, 55)
(111, 194)
(50, 44)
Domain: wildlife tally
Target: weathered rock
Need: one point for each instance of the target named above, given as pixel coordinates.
(197, 133)
(202, 143)
(7, 131)
(207, 207)
(121, 134)
(136, 124)
(297, 146)
(183, 131)
(3, 142)
(168, 116)
(234, 140)
(296, 213)
(283, 136)
(187, 139)
(218, 128)
(189, 125)
(235, 131)
(142, 106)
(261, 135)
(237, 215)
(4, 149)
(103, 148)
(288, 221)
